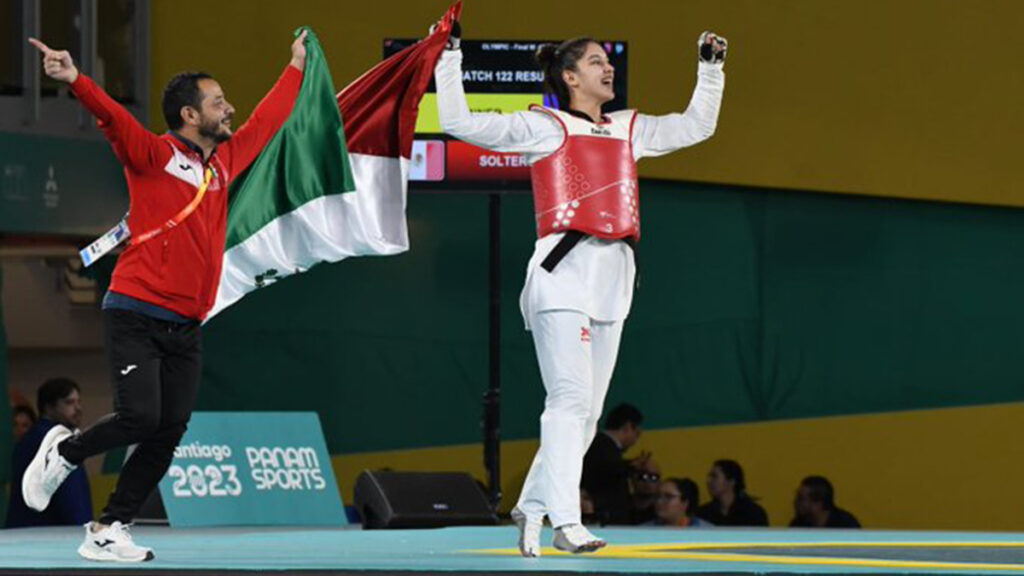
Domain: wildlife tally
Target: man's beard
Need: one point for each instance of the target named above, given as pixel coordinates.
(212, 131)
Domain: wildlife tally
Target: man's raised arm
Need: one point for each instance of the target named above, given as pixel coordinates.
(137, 148)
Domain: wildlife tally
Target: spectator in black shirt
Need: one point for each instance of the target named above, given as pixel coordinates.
(59, 402)
(606, 474)
(816, 508)
(730, 504)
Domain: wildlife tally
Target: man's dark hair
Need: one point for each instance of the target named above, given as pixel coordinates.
(733, 471)
(820, 490)
(26, 410)
(182, 90)
(622, 415)
(53, 390)
(689, 492)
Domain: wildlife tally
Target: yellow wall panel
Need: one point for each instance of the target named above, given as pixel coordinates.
(908, 98)
(934, 469)
(949, 469)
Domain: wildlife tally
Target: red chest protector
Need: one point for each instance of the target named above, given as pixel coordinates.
(590, 183)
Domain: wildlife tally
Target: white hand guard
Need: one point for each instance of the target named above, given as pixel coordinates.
(712, 48)
(454, 39)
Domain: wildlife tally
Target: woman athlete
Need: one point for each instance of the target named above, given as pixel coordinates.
(579, 282)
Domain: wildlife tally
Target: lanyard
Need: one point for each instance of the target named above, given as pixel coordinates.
(119, 233)
(180, 216)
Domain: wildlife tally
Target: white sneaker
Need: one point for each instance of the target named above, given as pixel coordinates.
(575, 538)
(529, 533)
(47, 471)
(112, 544)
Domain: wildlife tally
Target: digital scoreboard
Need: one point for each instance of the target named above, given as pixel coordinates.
(498, 76)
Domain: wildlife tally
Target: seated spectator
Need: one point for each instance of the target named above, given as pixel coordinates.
(24, 418)
(816, 508)
(646, 482)
(677, 504)
(606, 474)
(59, 402)
(730, 504)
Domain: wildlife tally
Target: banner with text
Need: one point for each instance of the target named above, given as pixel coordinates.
(252, 468)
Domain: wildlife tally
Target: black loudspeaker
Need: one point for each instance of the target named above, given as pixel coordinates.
(421, 500)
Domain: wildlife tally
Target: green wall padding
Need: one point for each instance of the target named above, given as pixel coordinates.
(390, 351)
(753, 305)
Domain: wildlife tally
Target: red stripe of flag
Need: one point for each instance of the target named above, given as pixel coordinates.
(379, 108)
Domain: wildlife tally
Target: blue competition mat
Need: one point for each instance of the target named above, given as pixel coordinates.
(492, 549)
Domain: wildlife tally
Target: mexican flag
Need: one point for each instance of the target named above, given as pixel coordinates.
(332, 183)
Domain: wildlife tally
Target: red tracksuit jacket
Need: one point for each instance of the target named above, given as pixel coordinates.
(180, 269)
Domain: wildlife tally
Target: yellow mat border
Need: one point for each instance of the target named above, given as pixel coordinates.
(693, 552)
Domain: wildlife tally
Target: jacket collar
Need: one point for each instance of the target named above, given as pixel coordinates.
(186, 144)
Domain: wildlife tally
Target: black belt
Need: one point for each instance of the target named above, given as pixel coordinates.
(571, 239)
(567, 243)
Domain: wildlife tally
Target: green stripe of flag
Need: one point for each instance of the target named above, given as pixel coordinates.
(307, 159)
